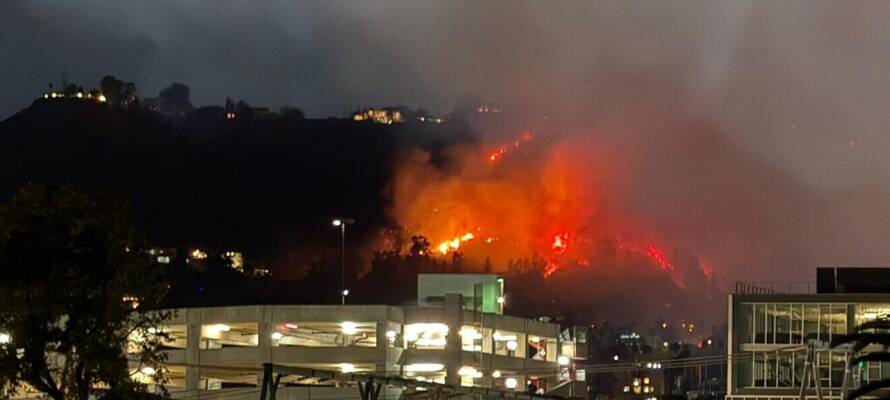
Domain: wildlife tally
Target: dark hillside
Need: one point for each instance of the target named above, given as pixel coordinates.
(266, 187)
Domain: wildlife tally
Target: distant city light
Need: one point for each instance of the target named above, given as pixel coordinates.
(345, 292)
(496, 374)
(501, 300)
(149, 371)
(615, 357)
(337, 222)
(5, 338)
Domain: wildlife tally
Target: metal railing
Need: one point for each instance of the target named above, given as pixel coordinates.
(775, 287)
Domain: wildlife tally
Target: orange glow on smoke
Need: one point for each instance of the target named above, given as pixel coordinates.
(548, 203)
(707, 269)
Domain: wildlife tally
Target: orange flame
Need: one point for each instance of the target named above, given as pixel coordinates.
(559, 247)
(454, 244)
(545, 204)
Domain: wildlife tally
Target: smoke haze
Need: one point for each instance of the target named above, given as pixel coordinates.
(750, 134)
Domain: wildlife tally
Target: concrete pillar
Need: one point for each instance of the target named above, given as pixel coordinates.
(265, 327)
(382, 347)
(454, 320)
(193, 351)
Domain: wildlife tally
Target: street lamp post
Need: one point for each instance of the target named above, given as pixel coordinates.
(342, 224)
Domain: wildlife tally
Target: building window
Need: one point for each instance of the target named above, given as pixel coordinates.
(426, 336)
(220, 335)
(784, 368)
(326, 334)
(507, 343)
(474, 339)
(789, 323)
(541, 348)
(871, 312)
(173, 337)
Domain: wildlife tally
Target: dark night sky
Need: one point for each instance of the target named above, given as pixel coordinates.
(800, 86)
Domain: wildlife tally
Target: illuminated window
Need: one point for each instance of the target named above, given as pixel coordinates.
(472, 338)
(219, 335)
(325, 334)
(426, 336)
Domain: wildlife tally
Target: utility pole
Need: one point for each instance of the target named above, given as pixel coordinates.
(341, 223)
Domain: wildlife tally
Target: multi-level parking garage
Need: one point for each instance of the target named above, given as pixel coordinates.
(222, 349)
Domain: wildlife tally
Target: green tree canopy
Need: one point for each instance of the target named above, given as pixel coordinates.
(74, 287)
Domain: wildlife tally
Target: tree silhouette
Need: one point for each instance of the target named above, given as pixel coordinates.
(74, 289)
(117, 92)
(873, 332)
(176, 98)
(289, 112)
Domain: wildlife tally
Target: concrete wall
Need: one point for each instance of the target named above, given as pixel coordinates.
(384, 358)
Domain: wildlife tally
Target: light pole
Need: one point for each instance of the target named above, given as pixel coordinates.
(342, 224)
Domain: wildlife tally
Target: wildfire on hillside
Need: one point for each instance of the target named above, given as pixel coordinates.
(526, 199)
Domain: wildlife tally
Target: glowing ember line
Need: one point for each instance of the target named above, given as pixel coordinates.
(500, 152)
(659, 258)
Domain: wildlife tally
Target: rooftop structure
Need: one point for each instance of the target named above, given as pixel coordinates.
(480, 292)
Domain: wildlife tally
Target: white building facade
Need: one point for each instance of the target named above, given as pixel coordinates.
(223, 348)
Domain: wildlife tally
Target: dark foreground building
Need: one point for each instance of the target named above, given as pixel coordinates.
(772, 326)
